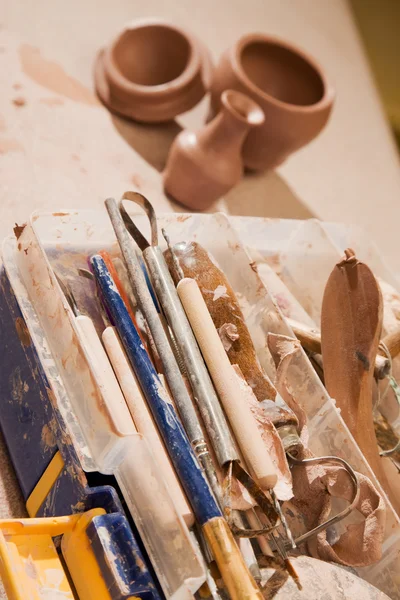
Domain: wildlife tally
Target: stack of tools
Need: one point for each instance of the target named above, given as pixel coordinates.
(166, 422)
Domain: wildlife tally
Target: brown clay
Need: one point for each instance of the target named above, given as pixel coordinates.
(351, 326)
(204, 165)
(224, 307)
(152, 71)
(290, 87)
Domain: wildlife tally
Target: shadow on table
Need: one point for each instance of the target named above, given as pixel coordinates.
(266, 195)
(258, 194)
(151, 142)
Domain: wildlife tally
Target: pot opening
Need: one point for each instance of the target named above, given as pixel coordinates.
(242, 107)
(152, 55)
(282, 73)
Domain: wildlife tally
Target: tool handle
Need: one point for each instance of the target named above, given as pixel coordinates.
(230, 561)
(238, 411)
(144, 421)
(114, 402)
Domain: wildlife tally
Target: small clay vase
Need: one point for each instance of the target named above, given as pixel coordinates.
(153, 71)
(290, 87)
(203, 165)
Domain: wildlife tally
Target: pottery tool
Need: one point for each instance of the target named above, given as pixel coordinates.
(294, 448)
(224, 308)
(143, 420)
(351, 325)
(225, 381)
(234, 571)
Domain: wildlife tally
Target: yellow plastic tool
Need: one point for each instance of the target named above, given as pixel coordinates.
(31, 567)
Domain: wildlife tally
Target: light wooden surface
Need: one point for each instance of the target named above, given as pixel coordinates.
(62, 152)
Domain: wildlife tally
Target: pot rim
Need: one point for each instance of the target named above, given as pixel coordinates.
(236, 51)
(184, 79)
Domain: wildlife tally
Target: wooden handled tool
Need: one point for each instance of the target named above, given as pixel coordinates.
(238, 411)
(144, 421)
(237, 577)
(351, 325)
(224, 308)
(104, 374)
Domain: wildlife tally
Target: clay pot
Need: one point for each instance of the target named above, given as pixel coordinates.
(203, 165)
(290, 87)
(152, 72)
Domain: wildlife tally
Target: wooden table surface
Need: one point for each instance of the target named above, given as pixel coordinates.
(59, 148)
(62, 149)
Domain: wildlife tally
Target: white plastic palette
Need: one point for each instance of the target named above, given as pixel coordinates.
(294, 245)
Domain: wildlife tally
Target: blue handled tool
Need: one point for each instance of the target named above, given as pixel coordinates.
(234, 571)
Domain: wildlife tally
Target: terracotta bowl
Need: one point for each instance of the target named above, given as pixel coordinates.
(152, 72)
(291, 88)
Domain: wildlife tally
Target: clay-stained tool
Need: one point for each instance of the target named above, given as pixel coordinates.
(351, 325)
(285, 422)
(226, 313)
(223, 376)
(236, 576)
(171, 369)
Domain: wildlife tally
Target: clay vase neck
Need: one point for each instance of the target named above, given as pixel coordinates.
(204, 165)
(229, 129)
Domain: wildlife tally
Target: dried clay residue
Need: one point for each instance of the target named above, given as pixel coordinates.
(22, 331)
(18, 387)
(53, 77)
(10, 145)
(19, 101)
(220, 292)
(48, 440)
(18, 229)
(228, 334)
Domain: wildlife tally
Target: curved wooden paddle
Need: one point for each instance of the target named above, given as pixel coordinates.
(351, 326)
